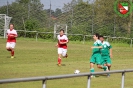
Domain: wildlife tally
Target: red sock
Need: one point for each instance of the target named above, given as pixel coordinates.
(59, 60)
(12, 53)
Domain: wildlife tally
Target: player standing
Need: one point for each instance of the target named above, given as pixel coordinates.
(96, 55)
(62, 46)
(106, 52)
(11, 39)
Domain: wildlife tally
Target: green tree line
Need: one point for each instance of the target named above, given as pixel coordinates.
(82, 17)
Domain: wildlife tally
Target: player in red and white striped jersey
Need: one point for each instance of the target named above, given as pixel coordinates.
(62, 46)
(11, 40)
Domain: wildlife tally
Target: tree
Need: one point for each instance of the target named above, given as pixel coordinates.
(105, 15)
(58, 12)
(25, 10)
(78, 16)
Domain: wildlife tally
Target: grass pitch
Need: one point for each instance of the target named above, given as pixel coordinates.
(39, 58)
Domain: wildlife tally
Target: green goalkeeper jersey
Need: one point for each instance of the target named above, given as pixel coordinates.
(105, 48)
(97, 43)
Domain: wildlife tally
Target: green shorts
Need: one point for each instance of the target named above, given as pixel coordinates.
(105, 59)
(95, 58)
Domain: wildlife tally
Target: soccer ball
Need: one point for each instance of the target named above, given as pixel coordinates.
(76, 72)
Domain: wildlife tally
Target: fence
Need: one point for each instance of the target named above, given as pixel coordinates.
(73, 37)
(44, 79)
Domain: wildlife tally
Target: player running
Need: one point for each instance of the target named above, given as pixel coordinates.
(62, 46)
(106, 53)
(96, 55)
(11, 39)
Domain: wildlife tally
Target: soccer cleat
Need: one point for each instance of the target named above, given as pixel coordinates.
(12, 57)
(59, 64)
(92, 76)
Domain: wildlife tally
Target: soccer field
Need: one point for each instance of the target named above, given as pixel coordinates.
(33, 59)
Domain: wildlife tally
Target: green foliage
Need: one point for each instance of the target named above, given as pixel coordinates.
(46, 36)
(26, 11)
(119, 40)
(31, 25)
(75, 37)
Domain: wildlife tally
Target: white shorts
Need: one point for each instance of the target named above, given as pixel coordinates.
(62, 51)
(10, 44)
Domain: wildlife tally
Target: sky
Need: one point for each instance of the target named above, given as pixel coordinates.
(54, 3)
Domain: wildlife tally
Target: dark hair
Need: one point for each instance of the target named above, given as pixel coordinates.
(101, 36)
(11, 24)
(61, 30)
(97, 35)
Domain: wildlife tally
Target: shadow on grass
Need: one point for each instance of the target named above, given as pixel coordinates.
(61, 65)
(102, 75)
(10, 57)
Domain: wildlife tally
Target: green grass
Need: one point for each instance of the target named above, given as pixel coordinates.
(39, 58)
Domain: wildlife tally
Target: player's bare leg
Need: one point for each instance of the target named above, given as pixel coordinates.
(59, 59)
(12, 53)
(103, 67)
(11, 50)
(8, 48)
(109, 66)
(66, 55)
(92, 69)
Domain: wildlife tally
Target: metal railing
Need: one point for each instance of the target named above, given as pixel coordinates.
(45, 78)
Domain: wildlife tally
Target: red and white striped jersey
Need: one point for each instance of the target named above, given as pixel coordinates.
(62, 38)
(11, 32)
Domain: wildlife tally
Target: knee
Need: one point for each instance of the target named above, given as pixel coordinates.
(91, 65)
(59, 55)
(7, 48)
(109, 65)
(98, 66)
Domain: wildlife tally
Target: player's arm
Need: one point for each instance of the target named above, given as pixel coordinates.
(64, 42)
(111, 53)
(7, 34)
(15, 35)
(99, 45)
(96, 47)
(110, 49)
(12, 35)
(57, 44)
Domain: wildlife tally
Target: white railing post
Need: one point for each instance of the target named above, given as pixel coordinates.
(36, 36)
(89, 81)
(123, 77)
(131, 43)
(83, 39)
(43, 83)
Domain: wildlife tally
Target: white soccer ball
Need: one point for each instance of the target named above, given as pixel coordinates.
(76, 72)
